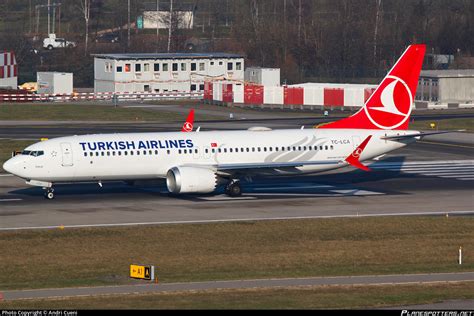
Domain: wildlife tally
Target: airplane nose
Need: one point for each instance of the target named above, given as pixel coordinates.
(11, 166)
(7, 166)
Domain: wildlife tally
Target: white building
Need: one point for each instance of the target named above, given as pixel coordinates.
(263, 76)
(183, 19)
(8, 71)
(164, 71)
(54, 82)
(454, 85)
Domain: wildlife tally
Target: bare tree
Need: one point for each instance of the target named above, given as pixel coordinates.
(85, 6)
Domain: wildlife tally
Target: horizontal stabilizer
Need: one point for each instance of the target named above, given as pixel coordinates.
(420, 134)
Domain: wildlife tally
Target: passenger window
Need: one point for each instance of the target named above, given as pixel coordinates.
(108, 153)
(168, 151)
(131, 152)
(179, 151)
(113, 153)
(219, 150)
(225, 150)
(96, 153)
(119, 153)
(264, 148)
(332, 147)
(138, 153)
(185, 151)
(258, 148)
(321, 147)
(144, 152)
(125, 153)
(230, 150)
(156, 152)
(207, 151)
(85, 154)
(326, 147)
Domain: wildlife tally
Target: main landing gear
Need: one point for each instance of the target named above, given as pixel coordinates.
(233, 189)
(49, 193)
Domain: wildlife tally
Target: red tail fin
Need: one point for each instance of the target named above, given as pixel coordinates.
(389, 107)
(188, 125)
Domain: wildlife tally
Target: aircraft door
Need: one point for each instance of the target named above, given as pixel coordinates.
(66, 150)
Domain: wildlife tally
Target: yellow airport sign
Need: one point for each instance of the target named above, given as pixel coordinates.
(141, 272)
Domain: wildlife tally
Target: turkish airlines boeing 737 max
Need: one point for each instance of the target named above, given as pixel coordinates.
(198, 162)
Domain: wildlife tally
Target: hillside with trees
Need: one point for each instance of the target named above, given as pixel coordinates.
(318, 40)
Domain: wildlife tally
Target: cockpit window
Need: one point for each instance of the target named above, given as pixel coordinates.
(37, 153)
(34, 153)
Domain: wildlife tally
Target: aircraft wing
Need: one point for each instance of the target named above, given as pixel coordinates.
(272, 165)
(234, 167)
(420, 134)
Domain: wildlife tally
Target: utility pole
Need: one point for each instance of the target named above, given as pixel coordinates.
(170, 26)
(49, 18)
(157, 25)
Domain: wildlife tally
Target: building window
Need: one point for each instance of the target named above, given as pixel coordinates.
(127, 67)
(193, 66)
(138, 67)
(201, 67)
(119, 68)
(146, 88)
(156, 67)
(220, 63)
(175, 66)
(212, 63)
(230, 66)
(238, 66)
(108, 67)
(165, 67)
(183, 66)
(146, 67)
(201, 87)
(193, 87)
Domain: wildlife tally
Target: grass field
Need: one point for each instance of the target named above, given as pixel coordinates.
(83, 112)
(328, 297)
(225, 251)
(449, 124)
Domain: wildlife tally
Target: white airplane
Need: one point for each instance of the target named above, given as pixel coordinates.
(198, 162)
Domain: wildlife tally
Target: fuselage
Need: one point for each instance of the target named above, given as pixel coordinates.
(102, 157)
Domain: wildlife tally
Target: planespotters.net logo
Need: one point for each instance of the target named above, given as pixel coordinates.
(390, 106)
(437, 313)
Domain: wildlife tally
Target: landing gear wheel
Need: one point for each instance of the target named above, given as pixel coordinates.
(233, 189)
(49, 194)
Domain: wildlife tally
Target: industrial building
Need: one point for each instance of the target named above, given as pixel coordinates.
(446, 86)
(163, 72)
(8, 71)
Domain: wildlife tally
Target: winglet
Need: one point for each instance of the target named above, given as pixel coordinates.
(353, 158)
(188, 125)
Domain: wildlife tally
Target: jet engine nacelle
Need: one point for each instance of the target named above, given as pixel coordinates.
(191, 180)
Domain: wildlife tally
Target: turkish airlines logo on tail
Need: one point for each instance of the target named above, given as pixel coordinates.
(390, 106)
(187, 127)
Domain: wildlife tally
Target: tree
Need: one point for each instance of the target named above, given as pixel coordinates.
(85, 6)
